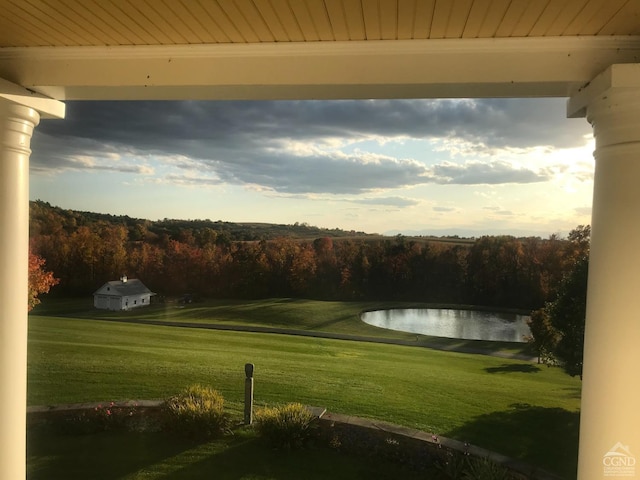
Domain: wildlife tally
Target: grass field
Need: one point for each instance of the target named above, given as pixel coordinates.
(283, 313)
(513, 407)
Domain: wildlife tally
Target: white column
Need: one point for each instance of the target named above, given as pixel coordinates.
(16, 126)
(610, 412)
(19, 114)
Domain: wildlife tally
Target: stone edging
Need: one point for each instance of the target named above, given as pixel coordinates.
(133, 415)
(69, 407)
(426, 440)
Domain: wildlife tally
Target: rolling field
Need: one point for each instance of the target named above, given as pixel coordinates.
(302, 315)
(513, 407)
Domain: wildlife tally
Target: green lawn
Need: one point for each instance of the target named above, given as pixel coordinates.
(283, 313)
(516, 408)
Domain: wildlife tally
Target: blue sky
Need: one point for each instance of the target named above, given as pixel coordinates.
(467, 167)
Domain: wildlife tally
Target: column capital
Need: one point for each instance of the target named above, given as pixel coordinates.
(611, 103)
(45, 106)
(618, 77)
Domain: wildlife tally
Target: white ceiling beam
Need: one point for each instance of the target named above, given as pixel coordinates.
(618, 77)
(47, 107)
(509, 67)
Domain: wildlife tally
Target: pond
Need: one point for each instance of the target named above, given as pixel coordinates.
(452, 323)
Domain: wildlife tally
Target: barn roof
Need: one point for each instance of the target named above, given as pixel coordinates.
(129, 287)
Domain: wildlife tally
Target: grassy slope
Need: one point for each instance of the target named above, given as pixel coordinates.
(513, 407)
(300, 314)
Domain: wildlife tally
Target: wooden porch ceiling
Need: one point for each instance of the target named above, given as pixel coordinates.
(31, 23)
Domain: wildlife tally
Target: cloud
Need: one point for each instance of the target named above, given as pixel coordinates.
(138, 169)
(444, 209)
(583, 210)
(191, 181)
(582, 171)
(334, 173)
(522, 123)
(95, 160)
(388, 201)
(476, 173)
(297, 147)
(499, 211)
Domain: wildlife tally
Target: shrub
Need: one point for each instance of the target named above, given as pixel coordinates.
(197, 412)
(287, 426)
(462, 466)
(111, 416)
(453, 465)
(485, 469)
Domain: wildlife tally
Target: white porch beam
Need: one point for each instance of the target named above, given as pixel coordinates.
(610, 413)
(17, 120)
(463, 68)
(45, 106)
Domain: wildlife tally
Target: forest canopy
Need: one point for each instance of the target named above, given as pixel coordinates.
(229, 260)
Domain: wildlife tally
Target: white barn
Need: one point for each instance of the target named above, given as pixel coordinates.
(123, 294)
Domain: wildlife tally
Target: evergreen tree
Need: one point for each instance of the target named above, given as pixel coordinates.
(558, 328)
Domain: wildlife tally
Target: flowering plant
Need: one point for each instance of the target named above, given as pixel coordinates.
(114, 416)
(111, 416)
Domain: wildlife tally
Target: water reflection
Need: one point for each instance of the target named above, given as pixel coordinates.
(444, 322)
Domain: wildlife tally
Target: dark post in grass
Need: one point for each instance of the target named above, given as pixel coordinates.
(248, 394)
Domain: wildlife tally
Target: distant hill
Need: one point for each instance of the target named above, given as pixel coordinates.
(46, 218)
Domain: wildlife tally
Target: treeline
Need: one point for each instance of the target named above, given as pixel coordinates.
(44, 217)
(84, 251)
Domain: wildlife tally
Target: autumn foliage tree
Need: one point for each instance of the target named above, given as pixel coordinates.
(40, 280)
(223, 260)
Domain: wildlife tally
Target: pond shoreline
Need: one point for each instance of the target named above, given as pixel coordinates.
(454, 323)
